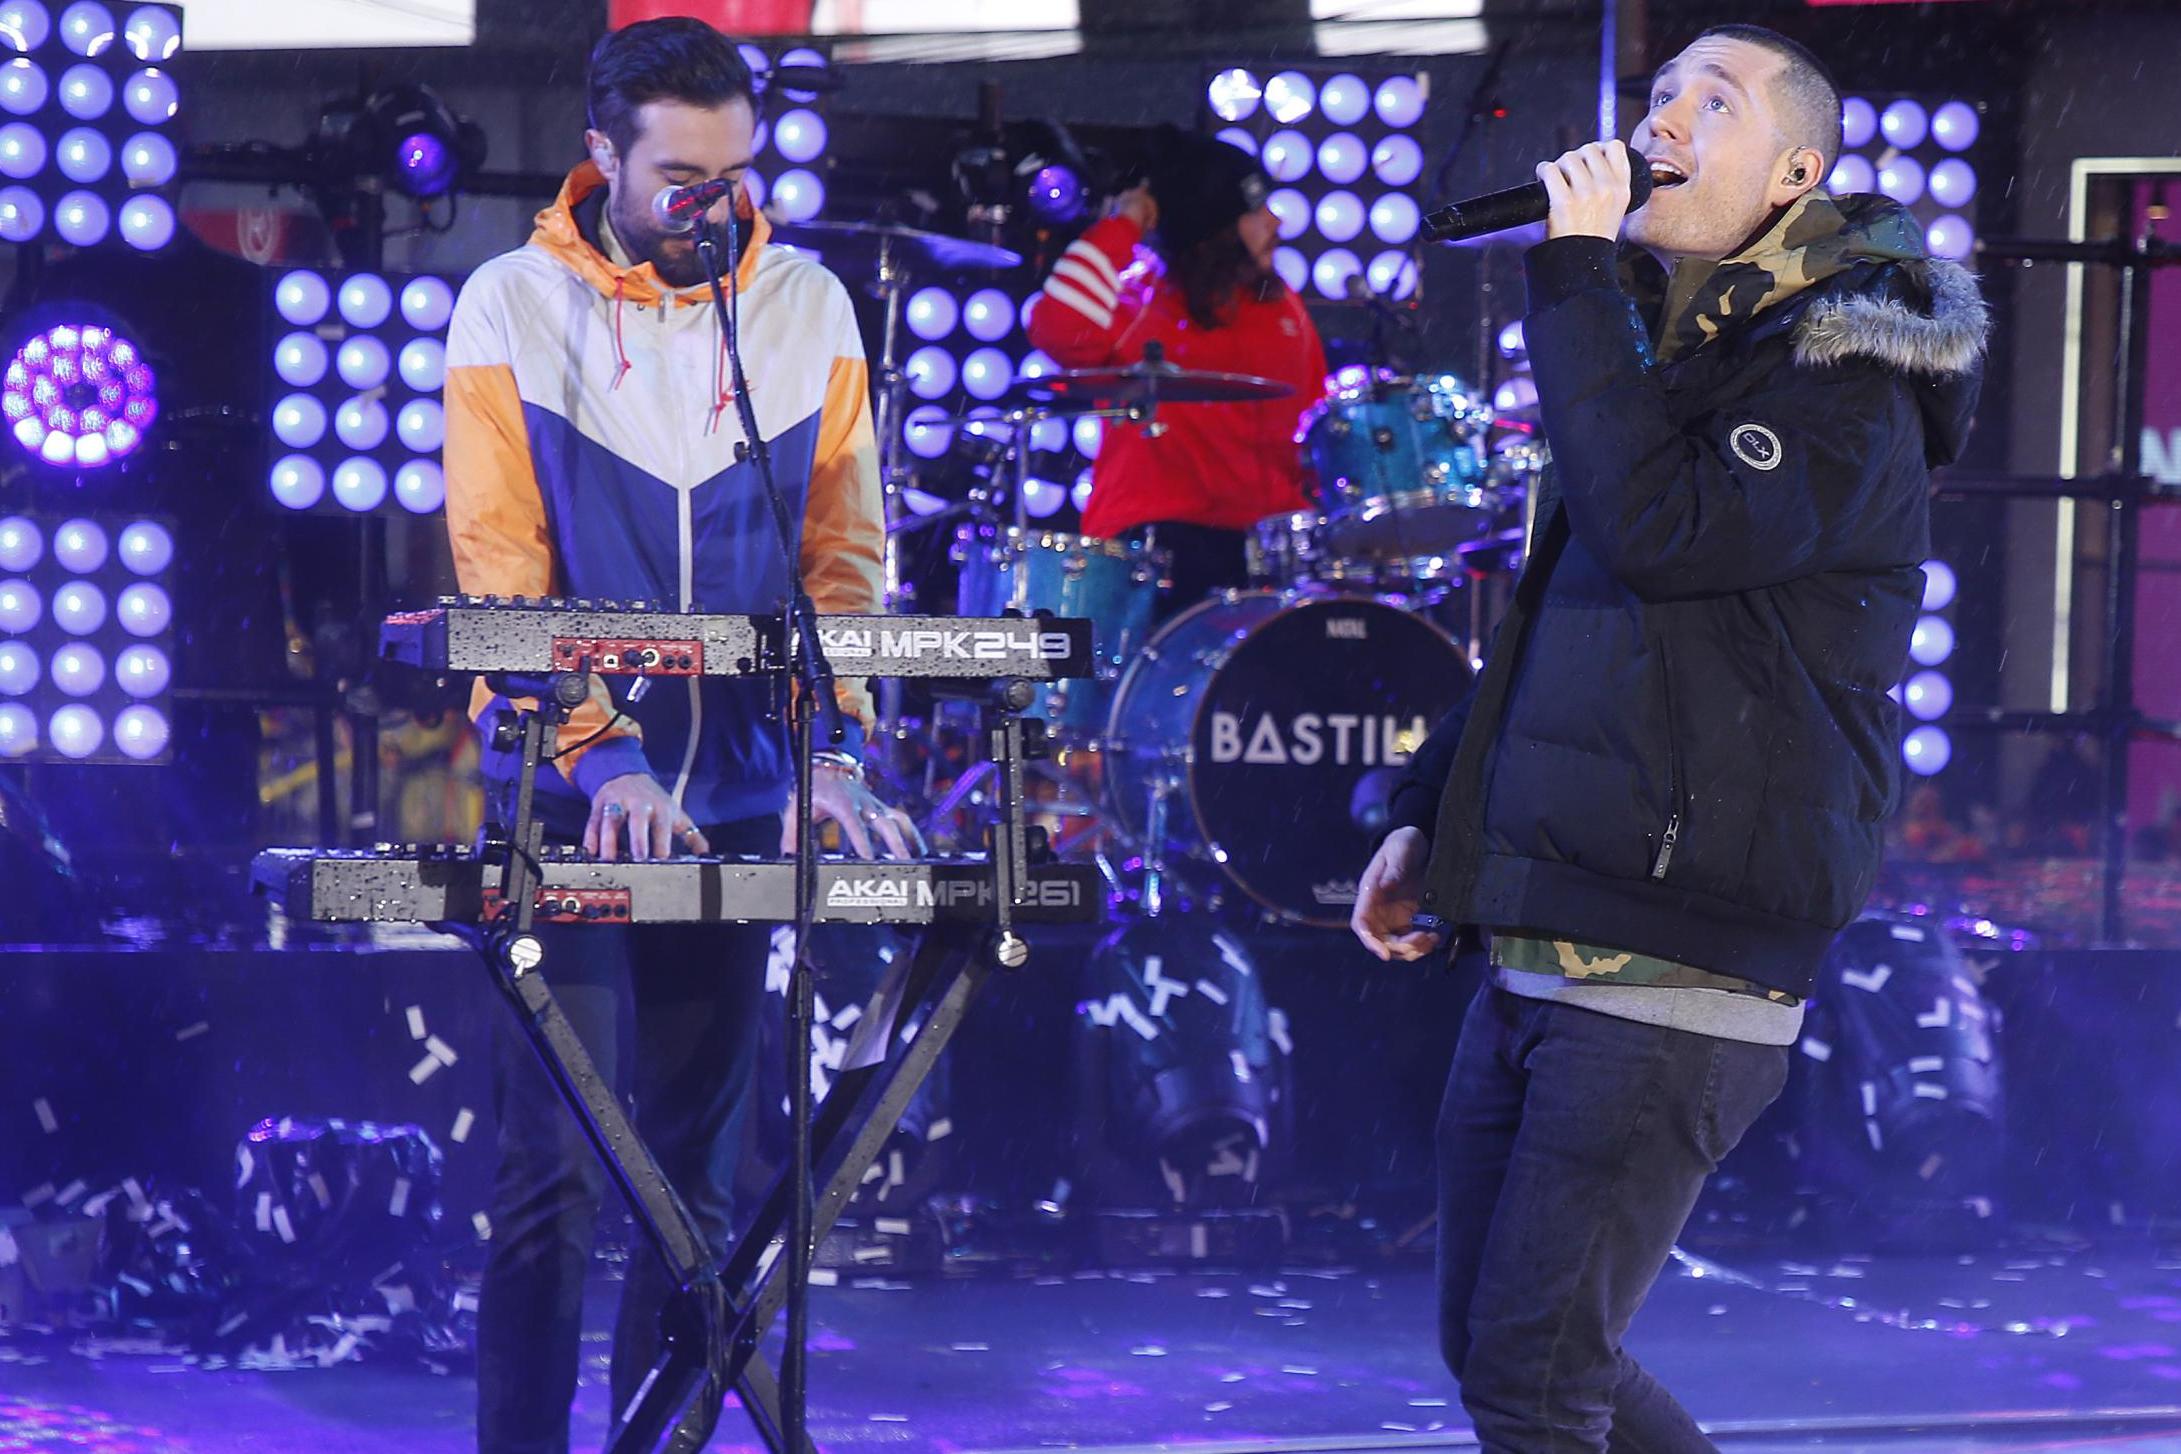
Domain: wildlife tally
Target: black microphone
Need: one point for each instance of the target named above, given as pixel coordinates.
(1517, 206)
(676, 209)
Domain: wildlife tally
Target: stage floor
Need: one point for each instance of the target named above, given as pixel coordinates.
(2024, 1350)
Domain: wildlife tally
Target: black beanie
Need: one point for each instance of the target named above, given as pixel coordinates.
(1202, 184)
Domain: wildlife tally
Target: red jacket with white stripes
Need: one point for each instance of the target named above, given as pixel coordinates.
(1226, 465)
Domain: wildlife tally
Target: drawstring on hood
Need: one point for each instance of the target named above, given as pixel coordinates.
(574, 230)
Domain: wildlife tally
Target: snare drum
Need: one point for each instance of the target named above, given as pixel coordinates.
(1113, 583)
(1261, 733)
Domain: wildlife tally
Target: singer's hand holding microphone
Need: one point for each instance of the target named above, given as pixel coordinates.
(1587, 191)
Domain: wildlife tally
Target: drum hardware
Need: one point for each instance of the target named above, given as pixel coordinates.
(891, 255)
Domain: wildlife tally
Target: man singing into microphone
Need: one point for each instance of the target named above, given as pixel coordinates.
(1666, 795)
(591, 438)
(1200, 475)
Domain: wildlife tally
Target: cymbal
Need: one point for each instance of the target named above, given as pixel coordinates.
(861, 241)
(1083, 391)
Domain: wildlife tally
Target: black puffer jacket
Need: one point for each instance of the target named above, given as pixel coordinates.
(1683, 745)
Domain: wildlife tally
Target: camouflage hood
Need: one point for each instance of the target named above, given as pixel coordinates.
(1878, 295)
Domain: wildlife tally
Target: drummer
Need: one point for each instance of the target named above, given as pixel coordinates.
(1199, 476)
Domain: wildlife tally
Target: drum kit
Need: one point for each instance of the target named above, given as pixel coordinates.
(1241, 748)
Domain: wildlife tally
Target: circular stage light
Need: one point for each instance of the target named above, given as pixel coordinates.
(1292, 209)
(147, 547)
(361, 423)
(932, 314)
(1331, 272)
(141, 732)
(18, 669)
(989, 315)
(366, 300)
(422, 425)
(298, 482)
(1234, 95)
(1293, 269)
(23, 151)
(930, 371)
(424, 365)
(800, 136)
(75, 731)
(421, 486)
(360, 484)
(79, 608)
(1290, 97)
(300, 359)
(1395, 218)
(1343, 157)
(1858, 122)
(302, 298)
(82, 219)
(142, 671)
(1400, 101)
(22, 544)
(148, 160)
(1904, 124)
(69, 388)
(363, 362)
(1288, 156)
(21, 214)
(18, 730)
(23, 87)
(87, 92)
(1953, 182)
(24, 24)
(78, 669)
(1955, 126)
(153, 35)
(299, 421)
(87, 28)
(1927, 750)
(83, 155)
(427, 304)
(1939, 585)
(145, 609)
(1345, 99)
(20, 607)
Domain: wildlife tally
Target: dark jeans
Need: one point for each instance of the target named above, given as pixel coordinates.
(1572, 1146)
(669, 1012)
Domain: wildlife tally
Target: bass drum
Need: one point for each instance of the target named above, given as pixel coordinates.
(1266, 730)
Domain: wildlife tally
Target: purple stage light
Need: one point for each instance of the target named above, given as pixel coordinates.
(18, 730)
(76, 731)
(78, 396)
(425, 163)
(1927, 750)
(1056, 194)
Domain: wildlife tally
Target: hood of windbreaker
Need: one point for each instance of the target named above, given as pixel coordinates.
(559, 232)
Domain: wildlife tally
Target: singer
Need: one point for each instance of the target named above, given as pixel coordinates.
(1667, 792)
(1196, 479)
(591, 451)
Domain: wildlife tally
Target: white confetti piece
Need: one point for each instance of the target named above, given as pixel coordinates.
(1148, 1350)
(400, 1298)
(1931, 1166)
(1211, 992)
(1276, 1027)
(71, 1191)
(1877, 1137)
(38, 1195)
(972, 1347)
(1218, 1408)
(1300, 1371)
(872, 1254)
(940, 1130)
(416, 1022)
(891, 1226)
(1927, 1065)
(1213, 1292)
(320, 1190)
(1941, 1015)
(282, 1224)
(1134, 1018)
(889, 1418)
(1870, 1098)
(1200, 1241)
(397, 1205)
(1928, 1092)
(46, 1118)
(424, 1070)
(264, 1211)
(440, 1050)
(483, 1224)
(464, 1119)
(824, 1277)
(191, 1032)
(1817, 1050)
(1871, 980)
(1398, 1428)
(1231, 1377)
(233, 1323)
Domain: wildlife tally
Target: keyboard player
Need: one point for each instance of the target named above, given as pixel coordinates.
(590, 452)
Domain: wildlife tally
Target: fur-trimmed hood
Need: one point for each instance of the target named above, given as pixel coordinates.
(1929, 321)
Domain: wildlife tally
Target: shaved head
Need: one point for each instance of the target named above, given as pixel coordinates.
(1805, 100)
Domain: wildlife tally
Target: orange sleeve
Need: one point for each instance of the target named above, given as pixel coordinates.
(496, 525)
(844, 521)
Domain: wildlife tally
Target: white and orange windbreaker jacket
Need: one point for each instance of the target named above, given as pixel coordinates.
(591, 453)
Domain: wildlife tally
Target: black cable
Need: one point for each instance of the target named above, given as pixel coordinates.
(618, 716)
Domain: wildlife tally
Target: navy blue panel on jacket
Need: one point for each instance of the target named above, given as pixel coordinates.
(1691, 753)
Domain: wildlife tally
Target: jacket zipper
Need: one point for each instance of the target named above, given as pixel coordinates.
(1672, 834)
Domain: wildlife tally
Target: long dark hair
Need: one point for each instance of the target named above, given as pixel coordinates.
(1212, 274)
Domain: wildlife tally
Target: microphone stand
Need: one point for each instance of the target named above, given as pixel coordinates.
(814, 677)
